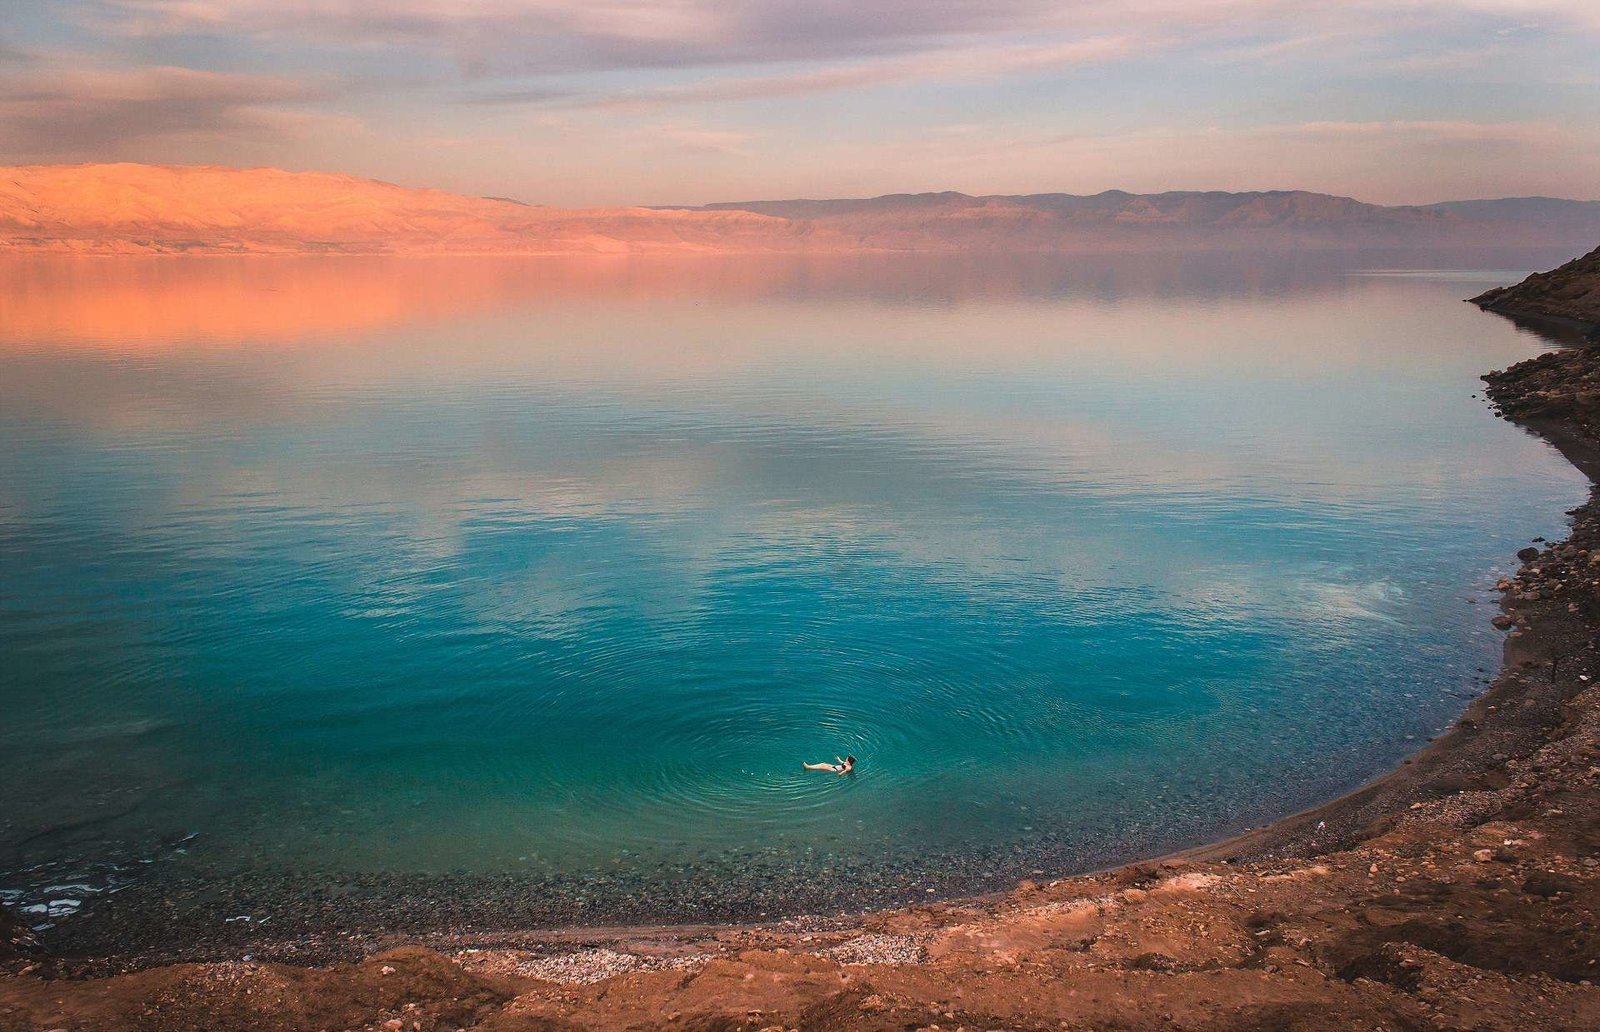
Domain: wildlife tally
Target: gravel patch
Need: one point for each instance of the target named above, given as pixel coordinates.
(871, 948)
(580, 967)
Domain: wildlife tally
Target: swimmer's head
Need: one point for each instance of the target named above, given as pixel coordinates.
(850, 760)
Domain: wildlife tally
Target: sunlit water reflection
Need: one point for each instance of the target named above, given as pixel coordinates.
(560, 568)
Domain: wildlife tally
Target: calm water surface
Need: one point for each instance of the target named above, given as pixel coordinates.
(557, 570)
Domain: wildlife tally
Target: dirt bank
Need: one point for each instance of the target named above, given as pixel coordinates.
(1564, 302)
(1461, 892)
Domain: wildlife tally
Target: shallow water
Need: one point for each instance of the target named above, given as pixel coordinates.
(558, 569)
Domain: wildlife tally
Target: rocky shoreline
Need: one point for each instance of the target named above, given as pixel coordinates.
(1563, 303)
(1460, 892)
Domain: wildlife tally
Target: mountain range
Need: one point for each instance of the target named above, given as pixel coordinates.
(129, 208)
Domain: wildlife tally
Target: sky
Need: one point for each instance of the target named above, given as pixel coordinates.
(605, 102)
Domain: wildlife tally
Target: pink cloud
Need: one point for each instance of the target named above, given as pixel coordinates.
(952, 64)
(51, 111)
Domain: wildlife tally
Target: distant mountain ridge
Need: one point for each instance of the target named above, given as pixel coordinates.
(128, 208)
(1290, 216)
(1177, 205)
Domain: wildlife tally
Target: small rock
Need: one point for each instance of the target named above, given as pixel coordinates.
(1548, 883)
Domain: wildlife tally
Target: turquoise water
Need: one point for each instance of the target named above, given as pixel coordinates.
(554, 572)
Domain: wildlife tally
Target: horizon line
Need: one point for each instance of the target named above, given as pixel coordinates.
(339, 174)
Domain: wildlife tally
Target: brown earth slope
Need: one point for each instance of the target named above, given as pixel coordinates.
(1461, 892)
(1570, 293)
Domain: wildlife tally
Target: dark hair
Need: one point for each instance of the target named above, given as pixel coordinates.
(849, 759)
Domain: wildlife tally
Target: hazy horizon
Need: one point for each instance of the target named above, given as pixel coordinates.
(775, 199)
(690, 102)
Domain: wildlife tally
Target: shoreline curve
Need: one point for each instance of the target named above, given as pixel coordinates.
(1460, 888)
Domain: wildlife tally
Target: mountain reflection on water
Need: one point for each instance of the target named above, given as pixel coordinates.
(555, 566)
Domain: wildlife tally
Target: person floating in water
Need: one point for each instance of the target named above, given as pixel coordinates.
(844, 766)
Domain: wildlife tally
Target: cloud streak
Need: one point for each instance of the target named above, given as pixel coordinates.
(685, 101)
(939, 65)
(556, 36)
(49, 114)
